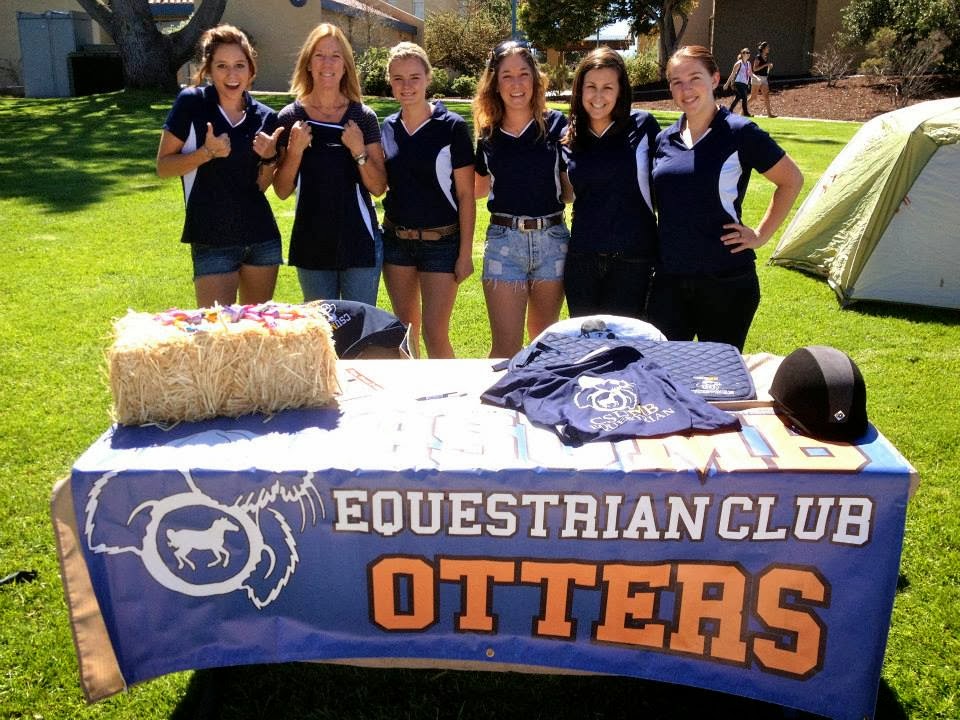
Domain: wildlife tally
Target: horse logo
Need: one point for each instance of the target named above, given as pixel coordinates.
(605, 394)
(191, 521)
(185, 541)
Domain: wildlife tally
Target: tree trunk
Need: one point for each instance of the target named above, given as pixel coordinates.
(669, 35)
(145, 51)
(150, 58)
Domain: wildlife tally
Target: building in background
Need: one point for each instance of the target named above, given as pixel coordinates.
(795, 30)
(277, 28)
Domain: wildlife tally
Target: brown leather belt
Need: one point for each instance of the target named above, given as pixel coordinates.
(434, 233)
(525, 223)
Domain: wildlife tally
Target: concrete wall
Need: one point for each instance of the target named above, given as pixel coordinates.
(793, 29)
(788, 27)
(699, 25)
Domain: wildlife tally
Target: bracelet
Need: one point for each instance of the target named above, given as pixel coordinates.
(210, 153)
(270, 160)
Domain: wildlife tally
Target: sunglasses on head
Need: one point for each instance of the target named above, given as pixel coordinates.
(504, 48)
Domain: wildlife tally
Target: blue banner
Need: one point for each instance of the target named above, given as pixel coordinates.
(758, 562)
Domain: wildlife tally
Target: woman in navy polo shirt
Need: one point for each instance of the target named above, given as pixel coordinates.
(222, 143)
(333, 160)
(706, 283)
(520, 170)
(429, 209)
(608, 148)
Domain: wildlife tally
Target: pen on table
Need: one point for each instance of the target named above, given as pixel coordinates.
(441, 395)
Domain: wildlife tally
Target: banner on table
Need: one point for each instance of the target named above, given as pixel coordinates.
(761, 561)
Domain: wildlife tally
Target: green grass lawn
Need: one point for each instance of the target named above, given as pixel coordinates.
(88, 231)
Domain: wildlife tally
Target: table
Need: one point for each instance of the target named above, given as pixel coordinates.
(413, 526)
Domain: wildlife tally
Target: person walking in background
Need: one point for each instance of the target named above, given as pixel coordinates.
(429, 209)
(706, 284)
(223, 145)
(608, 148)
(760, 80)
(334, 160)
(740, 80)
(520, 170)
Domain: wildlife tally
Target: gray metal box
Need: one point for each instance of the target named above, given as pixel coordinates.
(46, 41)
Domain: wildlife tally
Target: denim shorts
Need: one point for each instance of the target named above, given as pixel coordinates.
(520, 255)
(438, 256)
(218, 260)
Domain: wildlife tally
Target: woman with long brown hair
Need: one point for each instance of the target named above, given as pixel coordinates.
(519, 169)
(222, 143)
(608, 147)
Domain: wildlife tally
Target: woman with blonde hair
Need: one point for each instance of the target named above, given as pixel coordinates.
(429, 208)
(334, 160)
(520, 170)
(222, 143)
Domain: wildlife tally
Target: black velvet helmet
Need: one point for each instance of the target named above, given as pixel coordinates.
(821, 391)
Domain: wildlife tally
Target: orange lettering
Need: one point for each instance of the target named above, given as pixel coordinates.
(628, 607)
(476, 599)
(711, 593)
(557, 580)
(385, 574)
(802, 654)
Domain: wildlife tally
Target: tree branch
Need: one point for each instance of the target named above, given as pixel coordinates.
(183, 41)
(100, 12)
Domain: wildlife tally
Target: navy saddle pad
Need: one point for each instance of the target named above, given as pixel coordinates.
(713, 371)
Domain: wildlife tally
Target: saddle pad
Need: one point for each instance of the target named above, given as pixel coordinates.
(712, 371)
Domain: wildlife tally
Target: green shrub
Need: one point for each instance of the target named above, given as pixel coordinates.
(440, 85)
(642, 70)
(372, 69)
(464, 86)
(560, 77)
(874, 66)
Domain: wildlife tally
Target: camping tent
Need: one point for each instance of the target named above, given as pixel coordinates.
(883, 223)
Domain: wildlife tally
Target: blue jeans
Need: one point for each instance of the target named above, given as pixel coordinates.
(436, 256)
(359, 284)
(221, 259)
(525, 255)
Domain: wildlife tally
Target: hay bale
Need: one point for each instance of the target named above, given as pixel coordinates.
(185, 365)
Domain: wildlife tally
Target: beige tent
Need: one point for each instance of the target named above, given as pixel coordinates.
(883, 223)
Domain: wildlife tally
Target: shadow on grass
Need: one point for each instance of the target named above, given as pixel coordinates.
(69, 153)
(912, 313)
(305, 690)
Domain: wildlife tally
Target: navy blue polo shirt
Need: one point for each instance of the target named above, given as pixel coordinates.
(610, 175)
(525, 170)
(224, 205)
(420, 167)
(335, 223)
(614, 394)
(700, 189)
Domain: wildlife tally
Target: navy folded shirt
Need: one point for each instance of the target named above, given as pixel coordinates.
(611, 394)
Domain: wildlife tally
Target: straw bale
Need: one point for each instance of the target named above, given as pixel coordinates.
(192, 365)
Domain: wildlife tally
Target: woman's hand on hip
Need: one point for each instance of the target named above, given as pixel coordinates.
(740, 237)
